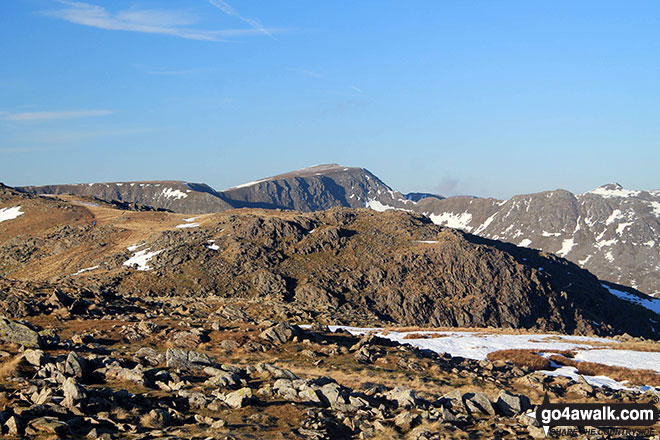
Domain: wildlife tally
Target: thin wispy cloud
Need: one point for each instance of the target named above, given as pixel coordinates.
(229, 10)
(173, 72)
(150, 21)
(67, 136)
(357, 89)
(53, 115)
(306, 72)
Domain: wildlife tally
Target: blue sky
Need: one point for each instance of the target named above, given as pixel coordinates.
(490, 98)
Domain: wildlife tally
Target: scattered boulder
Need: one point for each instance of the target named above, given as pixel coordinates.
(405, 421)
(186, 360)
(18, 333)
(280, 333)
(48, 425)
(35, 357)
(479, 403)
(512, 404)
(75, 365)
(403, 397)
(73, 392)
(239, 398)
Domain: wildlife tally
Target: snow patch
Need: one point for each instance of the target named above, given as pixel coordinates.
(525, 243)
(566, 247)
(377, 206)
(10, 213)
(187, 225)
(583, 262)
(550, 234)
(656, 208)
(622, 226)
(617, 192)
(596, 381)
(245, 185)
(174, 193)
(141, 258)
(606, 243)
(653, 304)
(84, 270)
(487, 223)
(453, 220)
(616, 215)
(476, 345)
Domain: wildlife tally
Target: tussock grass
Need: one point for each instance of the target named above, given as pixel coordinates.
(621, 374)
(521, 358)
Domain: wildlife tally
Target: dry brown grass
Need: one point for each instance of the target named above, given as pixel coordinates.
(634, 377)
(388, 433)
(521, 358)
(425, 336)
(11, 367)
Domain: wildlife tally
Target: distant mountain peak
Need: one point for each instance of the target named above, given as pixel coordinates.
(613, 189)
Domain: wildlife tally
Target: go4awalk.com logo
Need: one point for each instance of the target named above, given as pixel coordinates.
(597, 415)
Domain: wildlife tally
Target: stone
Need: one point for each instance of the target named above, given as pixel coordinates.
(239, 398)
(479, 402)
(275, 372)
(13, 426)
(35, 357)
(512, 404)
(419, 434)
(224, 379)
(310, 395)
(186, 360)
(406, 420)
(17, 333)
(330, 393)
(157, 418)
(285, 388)
(404, 397)
(73, 392)
(280, 333)
(49, 425)
(75, 365)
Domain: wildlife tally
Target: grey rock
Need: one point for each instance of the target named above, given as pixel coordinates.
(275, 372)
(239, 398)
(17, 333)
(406, 420)
(479, 402)
(35, 357)
(280, 333)
(286, 389)
(512, 404)
(224, 379)
(75, 365)
(49, 425)
(403, 397)
(186, 360)
(73, 392)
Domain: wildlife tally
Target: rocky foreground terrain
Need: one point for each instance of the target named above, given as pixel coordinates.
(134, 323)
(93, 365)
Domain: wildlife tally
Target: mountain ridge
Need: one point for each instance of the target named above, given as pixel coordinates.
(609, 230)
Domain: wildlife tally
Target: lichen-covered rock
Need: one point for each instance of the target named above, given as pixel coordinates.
(18, 333)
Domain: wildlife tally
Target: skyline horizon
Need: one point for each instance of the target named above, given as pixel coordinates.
(273, 176)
